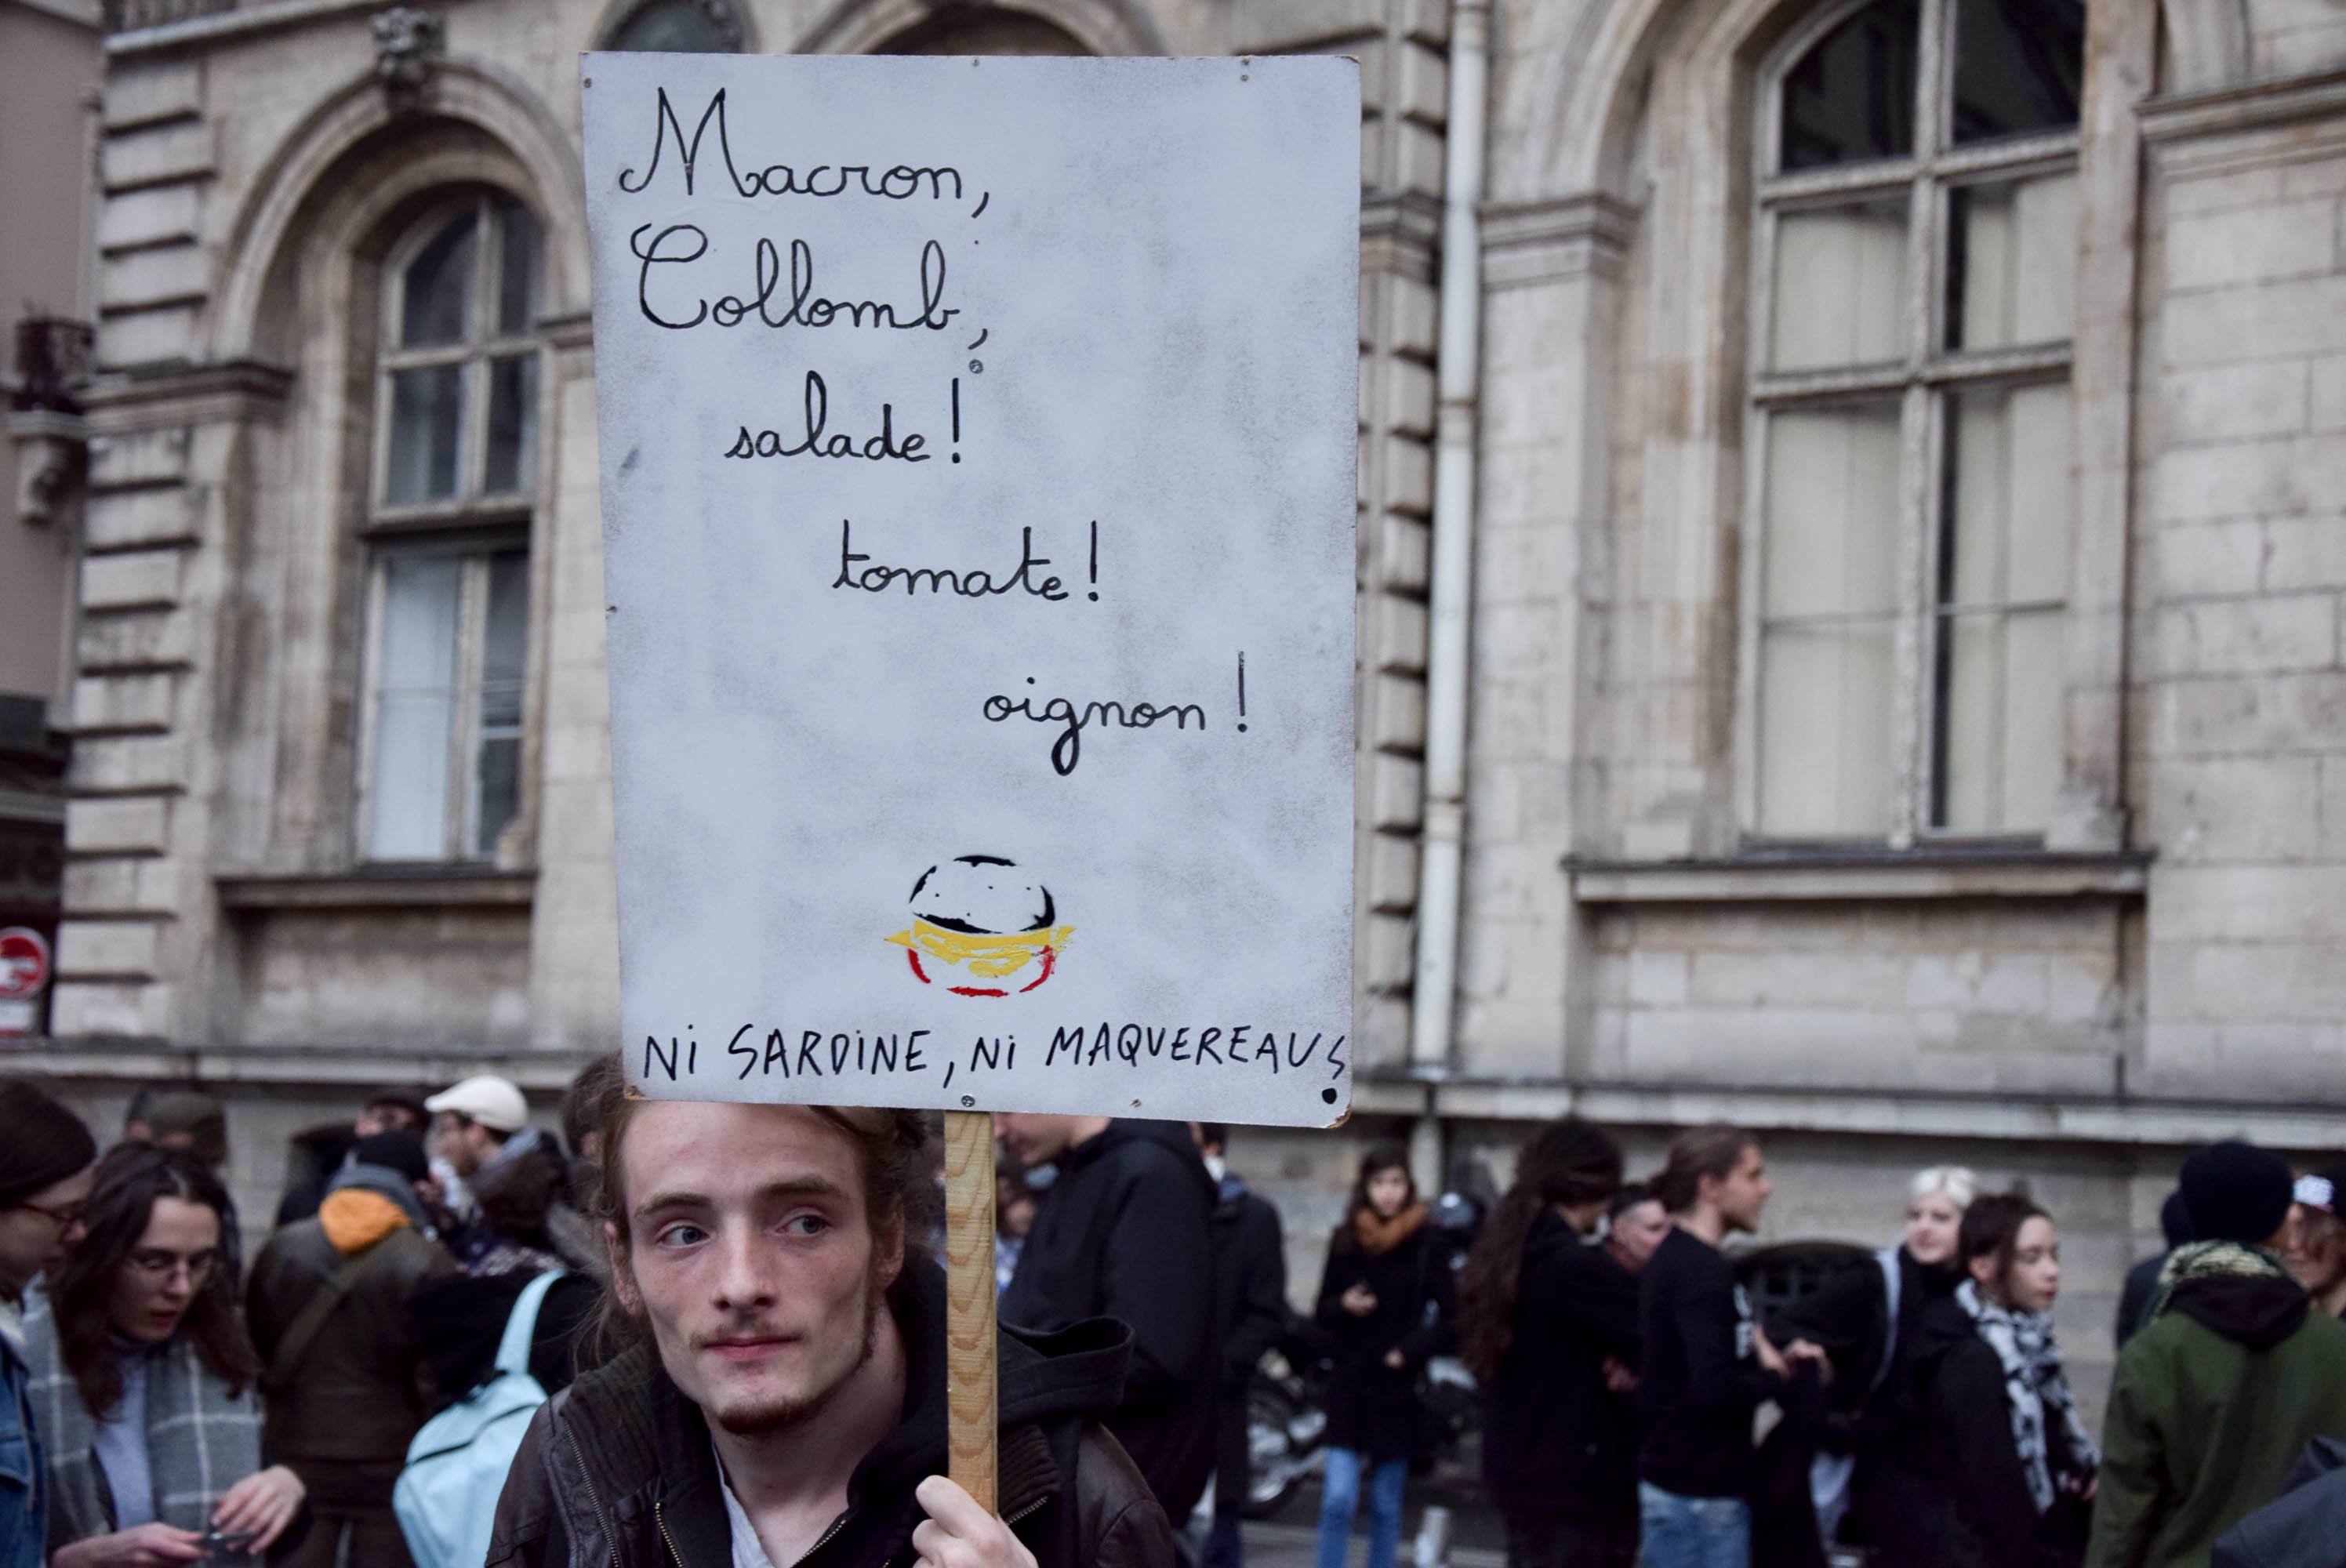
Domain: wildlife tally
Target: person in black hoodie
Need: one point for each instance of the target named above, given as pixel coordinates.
(1869, 1319)
(1386, 1300)
(2015, 1466)
(783, 1399)
(1125, 1231)
(1250, 1317)
(1706, 1365)
(1548, 1324)
(2141, 1289)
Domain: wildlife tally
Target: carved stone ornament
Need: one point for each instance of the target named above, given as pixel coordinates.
(52, 461)
(406, 44)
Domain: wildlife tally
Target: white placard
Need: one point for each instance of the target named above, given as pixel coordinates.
(977, 443)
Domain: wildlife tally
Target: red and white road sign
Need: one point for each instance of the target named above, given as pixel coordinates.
(24, 962)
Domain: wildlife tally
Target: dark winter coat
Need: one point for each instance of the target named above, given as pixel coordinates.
(2213, 1403)
(459, 1321)
(1698, 1380)
(617, 1471)
(1973, 1508)
(1878, 1416)
(1126, 1232)
(2304, 1527)
(1372, 1408)
(1249, 1281)
(1554, 1439)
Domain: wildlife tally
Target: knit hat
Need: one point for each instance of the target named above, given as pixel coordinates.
(2236, 1192)
(41, 1141)
(194, 1117)
(397, 1151)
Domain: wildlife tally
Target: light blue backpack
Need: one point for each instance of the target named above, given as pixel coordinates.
(446, 1498)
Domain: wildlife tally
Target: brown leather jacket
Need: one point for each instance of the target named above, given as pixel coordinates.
(616, 1471)
(358, 1395)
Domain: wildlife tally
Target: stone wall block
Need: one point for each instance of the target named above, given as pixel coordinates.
(129, 764)
(2200, 560)
(1391, 956)
(1391, 873)
(1408, 403)
(142, 888)
(1403, 557)
(2289, 316)
(123, 704)
(1394, 792)
(2305, 552)
(118, 1008)
(138, 640)
(162, 214)
(1408, 307)
(154, 275)
(141, 579)
(134, 826)
(1397, 714)
(1418, 158)
(2240, 636)
(147, 92)
(1283, 26)
(1396, 631)
(146, 336)
(176, 151)
(143, 518)
(1409, 476)
(1421, 85)
(124, 459)
(2290, 239)
(2224, 403)
(106, 950)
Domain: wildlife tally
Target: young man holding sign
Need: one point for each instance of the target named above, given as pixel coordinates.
(785, 1400)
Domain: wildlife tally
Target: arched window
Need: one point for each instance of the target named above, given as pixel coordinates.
(995, 32)
(1915, 267)
(448, 586)
(680, 27)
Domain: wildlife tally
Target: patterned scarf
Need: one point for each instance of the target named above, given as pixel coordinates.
(2216, 1259)
(2034, 1389)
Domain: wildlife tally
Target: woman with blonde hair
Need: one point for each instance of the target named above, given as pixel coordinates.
(1878, 1457)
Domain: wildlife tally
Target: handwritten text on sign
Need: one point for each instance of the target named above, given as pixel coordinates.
(977, 443)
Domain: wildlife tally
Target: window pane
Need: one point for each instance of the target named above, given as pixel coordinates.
(522, 245)
(513, 423)
(2014, 254)
(416, 697)
(434, 306)
(1852, 96)
(2008, 466)
(675, 28)
(427, 417)
(1840, 287)
(503, 650)
(2018, 66)
(1832, 513)
(1997, 742)
(1824, 730)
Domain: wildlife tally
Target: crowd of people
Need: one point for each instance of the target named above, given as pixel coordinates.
(738, 1312)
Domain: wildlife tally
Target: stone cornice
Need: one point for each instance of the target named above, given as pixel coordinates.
(2001, 1116)
(1532, 242)
(129, 1058)
(2248, 106)
(143, 397)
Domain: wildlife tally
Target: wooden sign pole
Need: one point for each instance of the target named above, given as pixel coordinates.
(970, 1418)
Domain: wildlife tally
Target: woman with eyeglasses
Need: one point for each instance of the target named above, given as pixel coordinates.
(144, 1381)
(44, 1160)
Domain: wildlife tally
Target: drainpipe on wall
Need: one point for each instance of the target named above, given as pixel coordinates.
(1458, 373)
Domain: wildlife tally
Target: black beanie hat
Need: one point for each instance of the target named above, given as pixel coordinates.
(397, 1150)
(2236, 1192)
(41, 1141)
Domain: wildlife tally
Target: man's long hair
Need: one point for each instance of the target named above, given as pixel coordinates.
(129, 1181)
(1569, 1163)
(894, 1150)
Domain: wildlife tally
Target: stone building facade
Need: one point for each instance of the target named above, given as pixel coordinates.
(1851, 571)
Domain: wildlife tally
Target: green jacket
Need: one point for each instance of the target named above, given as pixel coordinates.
(2213, 1403)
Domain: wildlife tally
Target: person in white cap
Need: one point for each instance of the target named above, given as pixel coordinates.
(2317, 1238)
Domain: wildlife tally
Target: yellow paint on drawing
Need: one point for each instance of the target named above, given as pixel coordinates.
(988, 957)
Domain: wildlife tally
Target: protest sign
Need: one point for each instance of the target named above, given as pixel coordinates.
(977, 444)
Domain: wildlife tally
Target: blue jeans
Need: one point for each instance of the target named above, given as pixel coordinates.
(1694, 1532)
(1340, 1498)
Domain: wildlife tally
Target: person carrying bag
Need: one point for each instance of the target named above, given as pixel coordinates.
(446, 1498)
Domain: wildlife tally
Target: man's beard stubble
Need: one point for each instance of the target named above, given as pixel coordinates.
(785, 1414)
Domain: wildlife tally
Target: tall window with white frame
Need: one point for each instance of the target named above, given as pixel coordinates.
(448, 530)
(1914, 266)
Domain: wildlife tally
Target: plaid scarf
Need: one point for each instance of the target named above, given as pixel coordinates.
(200, 1442)
(2036, 1389)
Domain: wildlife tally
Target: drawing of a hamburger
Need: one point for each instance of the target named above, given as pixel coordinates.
(981, 919)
